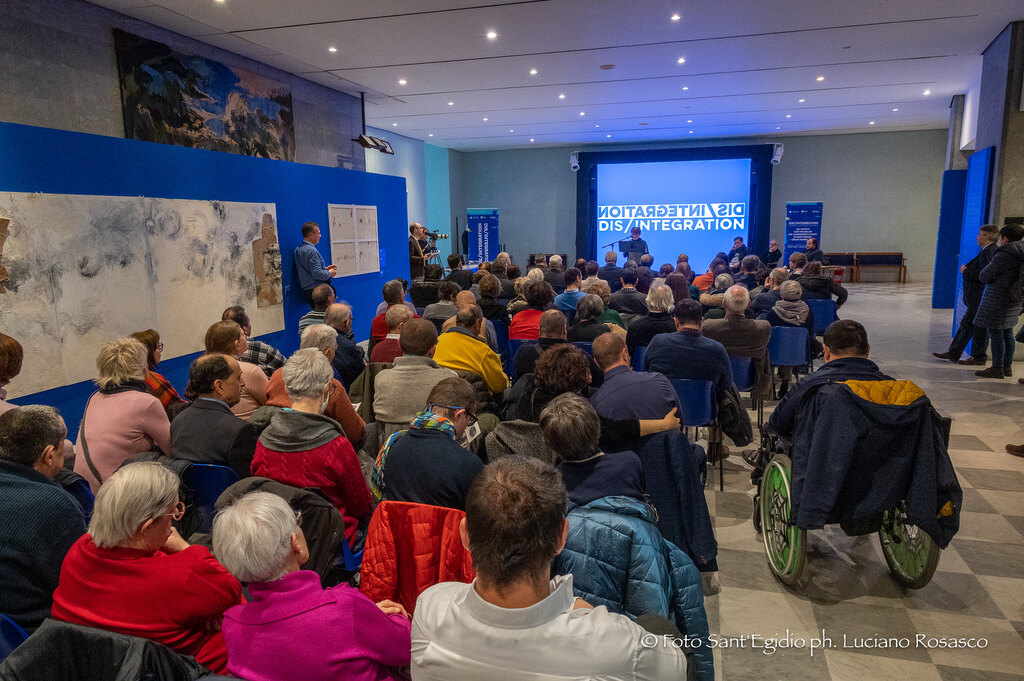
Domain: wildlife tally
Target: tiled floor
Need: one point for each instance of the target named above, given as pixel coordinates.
(978, 589)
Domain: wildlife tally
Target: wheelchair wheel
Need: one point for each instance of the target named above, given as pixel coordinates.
(757, 513)
(784, 544)
(911, 554)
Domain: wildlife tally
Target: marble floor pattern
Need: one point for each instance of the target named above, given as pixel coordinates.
(978, 589)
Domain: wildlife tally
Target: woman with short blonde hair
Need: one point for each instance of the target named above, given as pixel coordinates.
(121, 418)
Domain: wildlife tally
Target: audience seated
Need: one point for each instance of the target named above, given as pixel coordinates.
(663, 273)
(157, 386)
(590, 276)
(400, 393)
(464, 278)
(349, 358)
(711, 300)
(206, 431)
(571, 429)
(686, 353)
(425, 464)
(133, 574)
(644, 277)
(770, 294)
(263, 355)
(445, 305)
(628, 394)
(744, 337)
(423, 293)
(657, 320)
(611, 273)
(11, 357)
(846, 358)
(41, 521)
(403, 298)
(468, 299)
(339, 407)
(387, 348)
(588, 324)
(679, 282)
(490, 290)
(704, 281)
(394, 294)
(518, 303)
(323, 295)
(121, 418)
(818, 286)
(747, 275)
(628, 300)
(506, 286)
(601, 289)
(227, 338)
(514, 620)
(461, 349)
(552, 331)
(812, 252)
(797, 263)
(566, 301)
(555, 274)
(302, 448)
(526, 324)
(289, 621)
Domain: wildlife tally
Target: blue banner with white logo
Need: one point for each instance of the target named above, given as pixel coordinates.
(803, 222)
(482, 224)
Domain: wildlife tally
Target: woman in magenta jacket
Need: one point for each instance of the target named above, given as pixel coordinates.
(291, 627)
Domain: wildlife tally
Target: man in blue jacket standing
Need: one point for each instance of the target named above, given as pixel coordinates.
(309, 264)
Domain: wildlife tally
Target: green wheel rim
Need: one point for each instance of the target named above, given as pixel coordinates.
(783, 542)
(910, 551)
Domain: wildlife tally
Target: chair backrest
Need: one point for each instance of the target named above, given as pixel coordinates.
(697, 401)
(501, 335)
(824, 312)
(11, 636)
(419, 310)
(208, 481)
(743, 374)
(638, 357)
(585, 346)
(438, 324)
(514, 344)
(789, 346)
(570, 317)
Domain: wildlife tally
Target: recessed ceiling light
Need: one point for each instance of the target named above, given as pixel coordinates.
(608, 135)
(403, 81)
(597, 125)
(681, 60)
(871, 122)
(778, 127)
(675, 17)
(691, 132)
(394, 125)
(583, 113)
(332, 49)
(533, 72)
(801, 101)
(531, 139)
(820, 78)
(561, 96)
(485, 118)
(219, 0)
(789, 115)
(686, 87)
(896, 109)
(451, 103)
(511, 129)
(491, 35)
(430, 135)
(689, 120)
(927, 92)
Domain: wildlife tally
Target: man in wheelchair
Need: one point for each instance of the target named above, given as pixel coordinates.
(850, 445)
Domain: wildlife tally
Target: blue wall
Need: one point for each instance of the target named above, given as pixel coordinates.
(59, 162)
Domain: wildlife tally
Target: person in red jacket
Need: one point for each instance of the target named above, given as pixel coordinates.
(133, 573)
(303, 448)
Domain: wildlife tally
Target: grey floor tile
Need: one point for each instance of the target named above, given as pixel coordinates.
(783, 665)
(1017, 521)
(971, 442)
(862, 625)
(952, 592)
(990, 558)
(746, 570)
(733, 504)
(975, 503)
(981, 478)
(960, 674)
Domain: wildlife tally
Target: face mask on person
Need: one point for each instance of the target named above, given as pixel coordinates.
(327, 398)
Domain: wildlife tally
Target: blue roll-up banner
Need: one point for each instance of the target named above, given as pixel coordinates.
(975, 214)
(482, 224)
(803, 222)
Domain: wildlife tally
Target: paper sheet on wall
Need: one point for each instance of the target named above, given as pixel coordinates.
(353, 235)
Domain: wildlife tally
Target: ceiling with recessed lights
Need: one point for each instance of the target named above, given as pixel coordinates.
(495, 74)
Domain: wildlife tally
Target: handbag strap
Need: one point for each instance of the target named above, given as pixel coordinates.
(85, 445)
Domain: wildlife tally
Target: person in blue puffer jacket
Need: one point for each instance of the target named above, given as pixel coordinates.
(615, 550)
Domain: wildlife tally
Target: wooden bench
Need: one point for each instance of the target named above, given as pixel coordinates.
(847, 261)
(880, 260)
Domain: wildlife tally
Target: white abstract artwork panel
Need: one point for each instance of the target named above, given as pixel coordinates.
(83, 270)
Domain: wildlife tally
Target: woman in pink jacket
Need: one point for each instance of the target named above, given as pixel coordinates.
(292, 628)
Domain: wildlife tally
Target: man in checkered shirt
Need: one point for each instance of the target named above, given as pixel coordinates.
(265, 356)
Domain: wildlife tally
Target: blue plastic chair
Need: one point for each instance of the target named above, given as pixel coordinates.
(207, 482)
(419, 311)
(789, 346)
(353, 561)
(11, 636)
(501, 335)
(699, 404)
(585, 347)
(570, 317)
(824, 312)
(743, 375)
(638, 357)
(513, 348)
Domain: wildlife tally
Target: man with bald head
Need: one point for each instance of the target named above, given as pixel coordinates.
(487, 333)
(743, 337)
(389, 348)
(627, 394)
(206, 431)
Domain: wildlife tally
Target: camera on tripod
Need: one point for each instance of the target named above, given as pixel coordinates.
(433, 236)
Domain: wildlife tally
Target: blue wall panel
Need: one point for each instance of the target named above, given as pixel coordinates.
(976, 202)
(36, 159)
(947, 247)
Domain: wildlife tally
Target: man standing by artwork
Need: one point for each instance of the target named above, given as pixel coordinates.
(309, 264)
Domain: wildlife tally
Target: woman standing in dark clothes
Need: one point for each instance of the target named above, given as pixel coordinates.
(1001, 302)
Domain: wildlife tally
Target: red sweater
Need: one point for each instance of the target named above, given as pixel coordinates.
(379, 327)
(332, 467)
(174, 599)
(526, 325)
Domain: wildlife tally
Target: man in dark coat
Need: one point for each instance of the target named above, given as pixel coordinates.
(1001, 302)
(611, 272)
(967, 332)
(464, 278)
(207, 431)
(738, 252)
(813, 252)
(416, 257)
(744, 337)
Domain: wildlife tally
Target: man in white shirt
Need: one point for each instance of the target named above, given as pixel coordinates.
(514, 527)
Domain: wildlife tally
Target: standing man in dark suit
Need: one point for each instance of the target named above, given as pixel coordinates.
(973, 290)
(416, 258)
(207, 431)
(611, 272)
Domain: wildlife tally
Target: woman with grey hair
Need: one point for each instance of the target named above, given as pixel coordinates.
(134, 574)
(588, 325)
(290, 622)
(711, 301)
(571, 429)
(660, 301)
(121, 418)
(303, 448)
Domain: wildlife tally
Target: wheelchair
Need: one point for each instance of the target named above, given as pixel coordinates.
(912, 555)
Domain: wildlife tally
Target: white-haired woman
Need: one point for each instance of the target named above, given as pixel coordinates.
(290, 622)
(303, 448)
(121, 418)
(134, 574)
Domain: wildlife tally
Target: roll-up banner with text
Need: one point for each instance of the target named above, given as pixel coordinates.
(803, 222)
(482, 224)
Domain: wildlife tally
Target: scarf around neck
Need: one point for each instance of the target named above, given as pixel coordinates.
(425, 420)
(791, 311)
